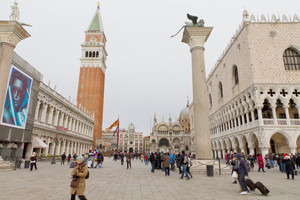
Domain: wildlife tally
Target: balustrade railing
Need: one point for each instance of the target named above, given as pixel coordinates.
(295, 121)
(268, 121)
(281, 122)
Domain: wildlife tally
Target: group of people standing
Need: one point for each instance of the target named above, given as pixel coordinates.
(163, 161)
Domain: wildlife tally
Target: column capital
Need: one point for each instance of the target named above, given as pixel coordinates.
(196, 36)
(12, 32)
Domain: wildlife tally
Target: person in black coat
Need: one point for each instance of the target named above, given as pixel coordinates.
(152, 161)
(63, 158)
(242, 172)
(289, 166)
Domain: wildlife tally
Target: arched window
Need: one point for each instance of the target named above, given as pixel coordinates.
(86, 54)
(235, 75)
(90, 54)
(97, 54)
(220, 90)
(210, 100)
(93, 54)
(291, 59)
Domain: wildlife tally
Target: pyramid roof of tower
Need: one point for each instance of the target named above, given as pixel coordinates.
(96, 23)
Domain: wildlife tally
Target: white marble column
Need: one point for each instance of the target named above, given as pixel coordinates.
(219, 153)
(61, 120)
(70, 123)
(66, 121)
(196, 37)
(63, 148)
(44, 112)
(274, 113)
(252, 115)
(29, 150)
(50, 118)
(293, 150)
(287, 114)
(57, 149)
(264, 151)
(251, 150)
(52, 148)
(37, 109)
(56, 117)
(76, 148)
(260, 118)
(224, 152)
(72, 148)
(67, 147)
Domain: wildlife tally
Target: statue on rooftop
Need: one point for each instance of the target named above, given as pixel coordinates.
(15, 13)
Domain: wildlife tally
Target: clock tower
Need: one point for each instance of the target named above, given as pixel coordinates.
(90, 94)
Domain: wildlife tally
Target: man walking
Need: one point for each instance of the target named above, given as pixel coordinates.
(63, 158)
(152, 161)
(167, 164)
(183, 162)
(243, 171)
(128, 160)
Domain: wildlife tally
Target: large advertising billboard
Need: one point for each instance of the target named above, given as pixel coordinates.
(17, 98)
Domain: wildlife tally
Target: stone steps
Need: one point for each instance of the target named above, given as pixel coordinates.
(199, 167)
(5, 166)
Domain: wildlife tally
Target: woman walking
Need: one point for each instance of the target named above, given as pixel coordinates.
(289, 166)
(260, 163)
(80, 171)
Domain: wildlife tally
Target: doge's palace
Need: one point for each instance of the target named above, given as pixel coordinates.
(254, 89)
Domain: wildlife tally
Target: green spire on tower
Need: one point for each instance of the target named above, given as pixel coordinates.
(96, 24)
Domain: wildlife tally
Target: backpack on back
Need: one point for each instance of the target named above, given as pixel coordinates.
(88, 175)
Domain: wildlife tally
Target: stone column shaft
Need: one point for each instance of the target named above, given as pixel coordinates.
(287, 114)
(195, 37)
(260, 118)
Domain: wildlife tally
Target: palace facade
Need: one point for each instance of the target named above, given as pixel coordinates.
(254, 89)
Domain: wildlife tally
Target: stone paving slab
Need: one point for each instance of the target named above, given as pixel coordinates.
(113, 181)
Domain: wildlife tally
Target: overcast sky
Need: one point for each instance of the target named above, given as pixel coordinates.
(147, 71)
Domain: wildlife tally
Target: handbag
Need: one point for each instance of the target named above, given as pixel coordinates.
(234, 174)
(74, 182)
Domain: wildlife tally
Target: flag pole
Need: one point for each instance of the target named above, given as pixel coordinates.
(118, 133)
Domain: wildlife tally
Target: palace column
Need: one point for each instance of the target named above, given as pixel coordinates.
(195, 37)
(50, 115)
(36, 115)
(63, 149)
(44, 112)
(11, 33)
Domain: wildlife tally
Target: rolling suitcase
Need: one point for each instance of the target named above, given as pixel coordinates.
(262, 188)
(250, 184)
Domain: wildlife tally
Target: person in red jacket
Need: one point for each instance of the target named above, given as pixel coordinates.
(260, 163)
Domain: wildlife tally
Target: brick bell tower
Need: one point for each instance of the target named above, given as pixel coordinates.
(90, 94)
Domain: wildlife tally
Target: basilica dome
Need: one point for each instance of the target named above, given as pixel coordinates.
(185, 113)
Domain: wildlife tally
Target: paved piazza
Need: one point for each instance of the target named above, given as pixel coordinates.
(114, 181)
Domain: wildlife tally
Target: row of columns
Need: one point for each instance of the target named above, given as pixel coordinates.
(220, 153)
(239, 118)
(65, 146)
(58, 118)
(235, 119)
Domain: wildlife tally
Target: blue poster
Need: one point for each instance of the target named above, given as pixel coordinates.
(17, 99)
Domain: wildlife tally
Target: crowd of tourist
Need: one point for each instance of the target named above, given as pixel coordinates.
(242, 165)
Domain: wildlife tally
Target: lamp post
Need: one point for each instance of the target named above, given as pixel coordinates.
(55, 140)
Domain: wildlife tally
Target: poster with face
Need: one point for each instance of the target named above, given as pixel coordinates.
(17, 99)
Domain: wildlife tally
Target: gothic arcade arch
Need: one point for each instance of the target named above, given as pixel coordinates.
(279, 142)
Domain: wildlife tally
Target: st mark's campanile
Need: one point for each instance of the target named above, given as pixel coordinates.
(90, 93)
